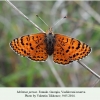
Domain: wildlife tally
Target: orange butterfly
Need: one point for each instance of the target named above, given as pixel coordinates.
(38, 46)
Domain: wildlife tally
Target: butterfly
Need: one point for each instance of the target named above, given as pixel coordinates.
(39, 46)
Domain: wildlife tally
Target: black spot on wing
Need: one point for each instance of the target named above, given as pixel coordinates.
(78, 46)
(72, 47)
(31, 48)
(67, 51)
(22, 42)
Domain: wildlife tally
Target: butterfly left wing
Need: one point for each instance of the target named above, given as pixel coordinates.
(67, 49)
(32, 46)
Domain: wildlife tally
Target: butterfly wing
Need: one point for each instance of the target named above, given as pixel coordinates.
(31, 46)
(68, 49)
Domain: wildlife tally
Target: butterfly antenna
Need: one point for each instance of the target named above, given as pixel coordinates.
(42, 20)
(58, 21)
(70, 18)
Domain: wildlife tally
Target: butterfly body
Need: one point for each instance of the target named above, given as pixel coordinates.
(50, 42)
(38, 46)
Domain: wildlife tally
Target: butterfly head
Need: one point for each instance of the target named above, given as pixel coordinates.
(49, 32)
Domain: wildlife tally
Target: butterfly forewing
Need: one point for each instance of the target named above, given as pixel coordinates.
(32, 46)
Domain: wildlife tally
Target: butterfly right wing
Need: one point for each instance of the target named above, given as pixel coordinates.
(31, 46)
(67, 49)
